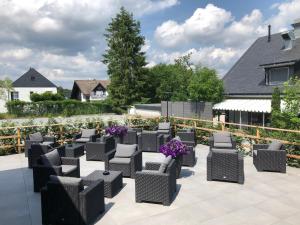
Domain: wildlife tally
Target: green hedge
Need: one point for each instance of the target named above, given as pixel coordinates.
(56, 108)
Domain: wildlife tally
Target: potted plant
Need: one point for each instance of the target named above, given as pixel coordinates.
(176, 149)
(117, 131)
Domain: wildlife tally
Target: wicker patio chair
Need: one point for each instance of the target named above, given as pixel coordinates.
(157, 183)
(68, 200)
(222, 140)
(125, 158)
(150, 141)
(37, 150)
(132, 136)
(86, 135)
(38, 138)
(52, 164)
(188, 137)
(225, 165)
(97, 150)
(270, 157)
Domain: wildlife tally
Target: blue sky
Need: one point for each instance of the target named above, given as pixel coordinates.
(64, 39)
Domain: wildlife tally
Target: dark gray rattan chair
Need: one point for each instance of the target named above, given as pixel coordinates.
(68, 200)
(222, 140)
(157, 183)
(86, 135)
(225, 165)
(38, 138)
(150, 141)
(97, 150)
(52, 164)
(37, 150)
(164, 128)
(132, 136)
(270, 157)
(188, 137)
(125, 158)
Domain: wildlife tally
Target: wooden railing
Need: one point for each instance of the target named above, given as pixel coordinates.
(224, 127)
(20, 133)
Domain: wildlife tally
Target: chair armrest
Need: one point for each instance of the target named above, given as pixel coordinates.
(160, 140)
(50, 170)
(260, 146)
(233, 141)
(136, 162)
(152, 166)
(211, 141)
(92, 201)
(77, 136)
(70, 161)
(151, 173)
(108, 156)
(94, 137)
(189, 143)
(49, 138)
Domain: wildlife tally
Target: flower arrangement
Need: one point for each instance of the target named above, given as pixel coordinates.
(116, 130)
(174, 148)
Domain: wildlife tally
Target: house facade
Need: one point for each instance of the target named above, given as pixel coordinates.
(90, 90)
(30, 82)
(249, 84)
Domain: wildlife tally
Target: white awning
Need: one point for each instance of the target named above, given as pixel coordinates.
(246, 105)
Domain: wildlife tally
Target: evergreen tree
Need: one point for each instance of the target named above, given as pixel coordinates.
(275, 104)
(125, 60)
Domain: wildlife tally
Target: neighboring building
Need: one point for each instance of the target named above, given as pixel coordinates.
(90, 90)
(249, 84)
(30, 82)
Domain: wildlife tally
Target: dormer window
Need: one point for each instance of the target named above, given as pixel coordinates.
(277, 76)
(32, 78)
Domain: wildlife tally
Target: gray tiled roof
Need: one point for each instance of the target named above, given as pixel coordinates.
(247, 76)
(33, 78)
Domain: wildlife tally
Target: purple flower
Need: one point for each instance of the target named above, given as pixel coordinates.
(116, 130)
(174, 148)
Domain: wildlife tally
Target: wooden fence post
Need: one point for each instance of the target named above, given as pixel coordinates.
(19, 139)
(61, 130)
(223, 126)
(257, 133)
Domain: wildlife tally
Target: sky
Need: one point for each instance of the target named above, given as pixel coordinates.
(63, 39)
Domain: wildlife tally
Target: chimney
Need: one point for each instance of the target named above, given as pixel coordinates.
(269, 33)
(296, 26)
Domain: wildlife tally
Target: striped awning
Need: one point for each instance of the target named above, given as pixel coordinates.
(245, 105)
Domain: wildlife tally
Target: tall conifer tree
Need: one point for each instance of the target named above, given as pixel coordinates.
(125, 60)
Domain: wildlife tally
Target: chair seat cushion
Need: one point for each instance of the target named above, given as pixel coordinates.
(67, 169)
(164, 126)
(83, 140)
(36, 137)
(125, 151)
(49, 143)
(120, 161)
(51, 158)
(223, 145)
(86, 133)
(67, 180)
(163, 131)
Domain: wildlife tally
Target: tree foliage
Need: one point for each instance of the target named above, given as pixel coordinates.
(206, 86)
(46, 96)
(5, 88)
(125, 60)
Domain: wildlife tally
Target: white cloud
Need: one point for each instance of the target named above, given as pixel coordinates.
(15, 54)
(46, 24)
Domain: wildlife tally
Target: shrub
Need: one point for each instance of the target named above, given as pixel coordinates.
(55, 108)
(46, 96)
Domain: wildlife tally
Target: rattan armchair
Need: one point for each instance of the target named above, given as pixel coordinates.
(188, 137)
(152, 185)
(269, 157)
(222, 140)
(38, 138)
(225, 165)
(97, 150)
(67, 200)
(150, 141)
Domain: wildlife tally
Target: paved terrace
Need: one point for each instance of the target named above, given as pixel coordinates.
(265, 198)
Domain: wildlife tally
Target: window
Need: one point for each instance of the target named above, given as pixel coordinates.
(276, 76)
(14, 95)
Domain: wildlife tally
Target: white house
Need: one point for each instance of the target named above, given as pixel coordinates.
(90, 90)
(30, 82)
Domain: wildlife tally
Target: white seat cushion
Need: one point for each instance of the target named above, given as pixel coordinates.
(120, 161)
(223, 145)
(125, 151)
(83, 140)
(86, 133)
(68, 168)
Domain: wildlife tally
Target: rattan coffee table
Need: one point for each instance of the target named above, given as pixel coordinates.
(113, 182)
